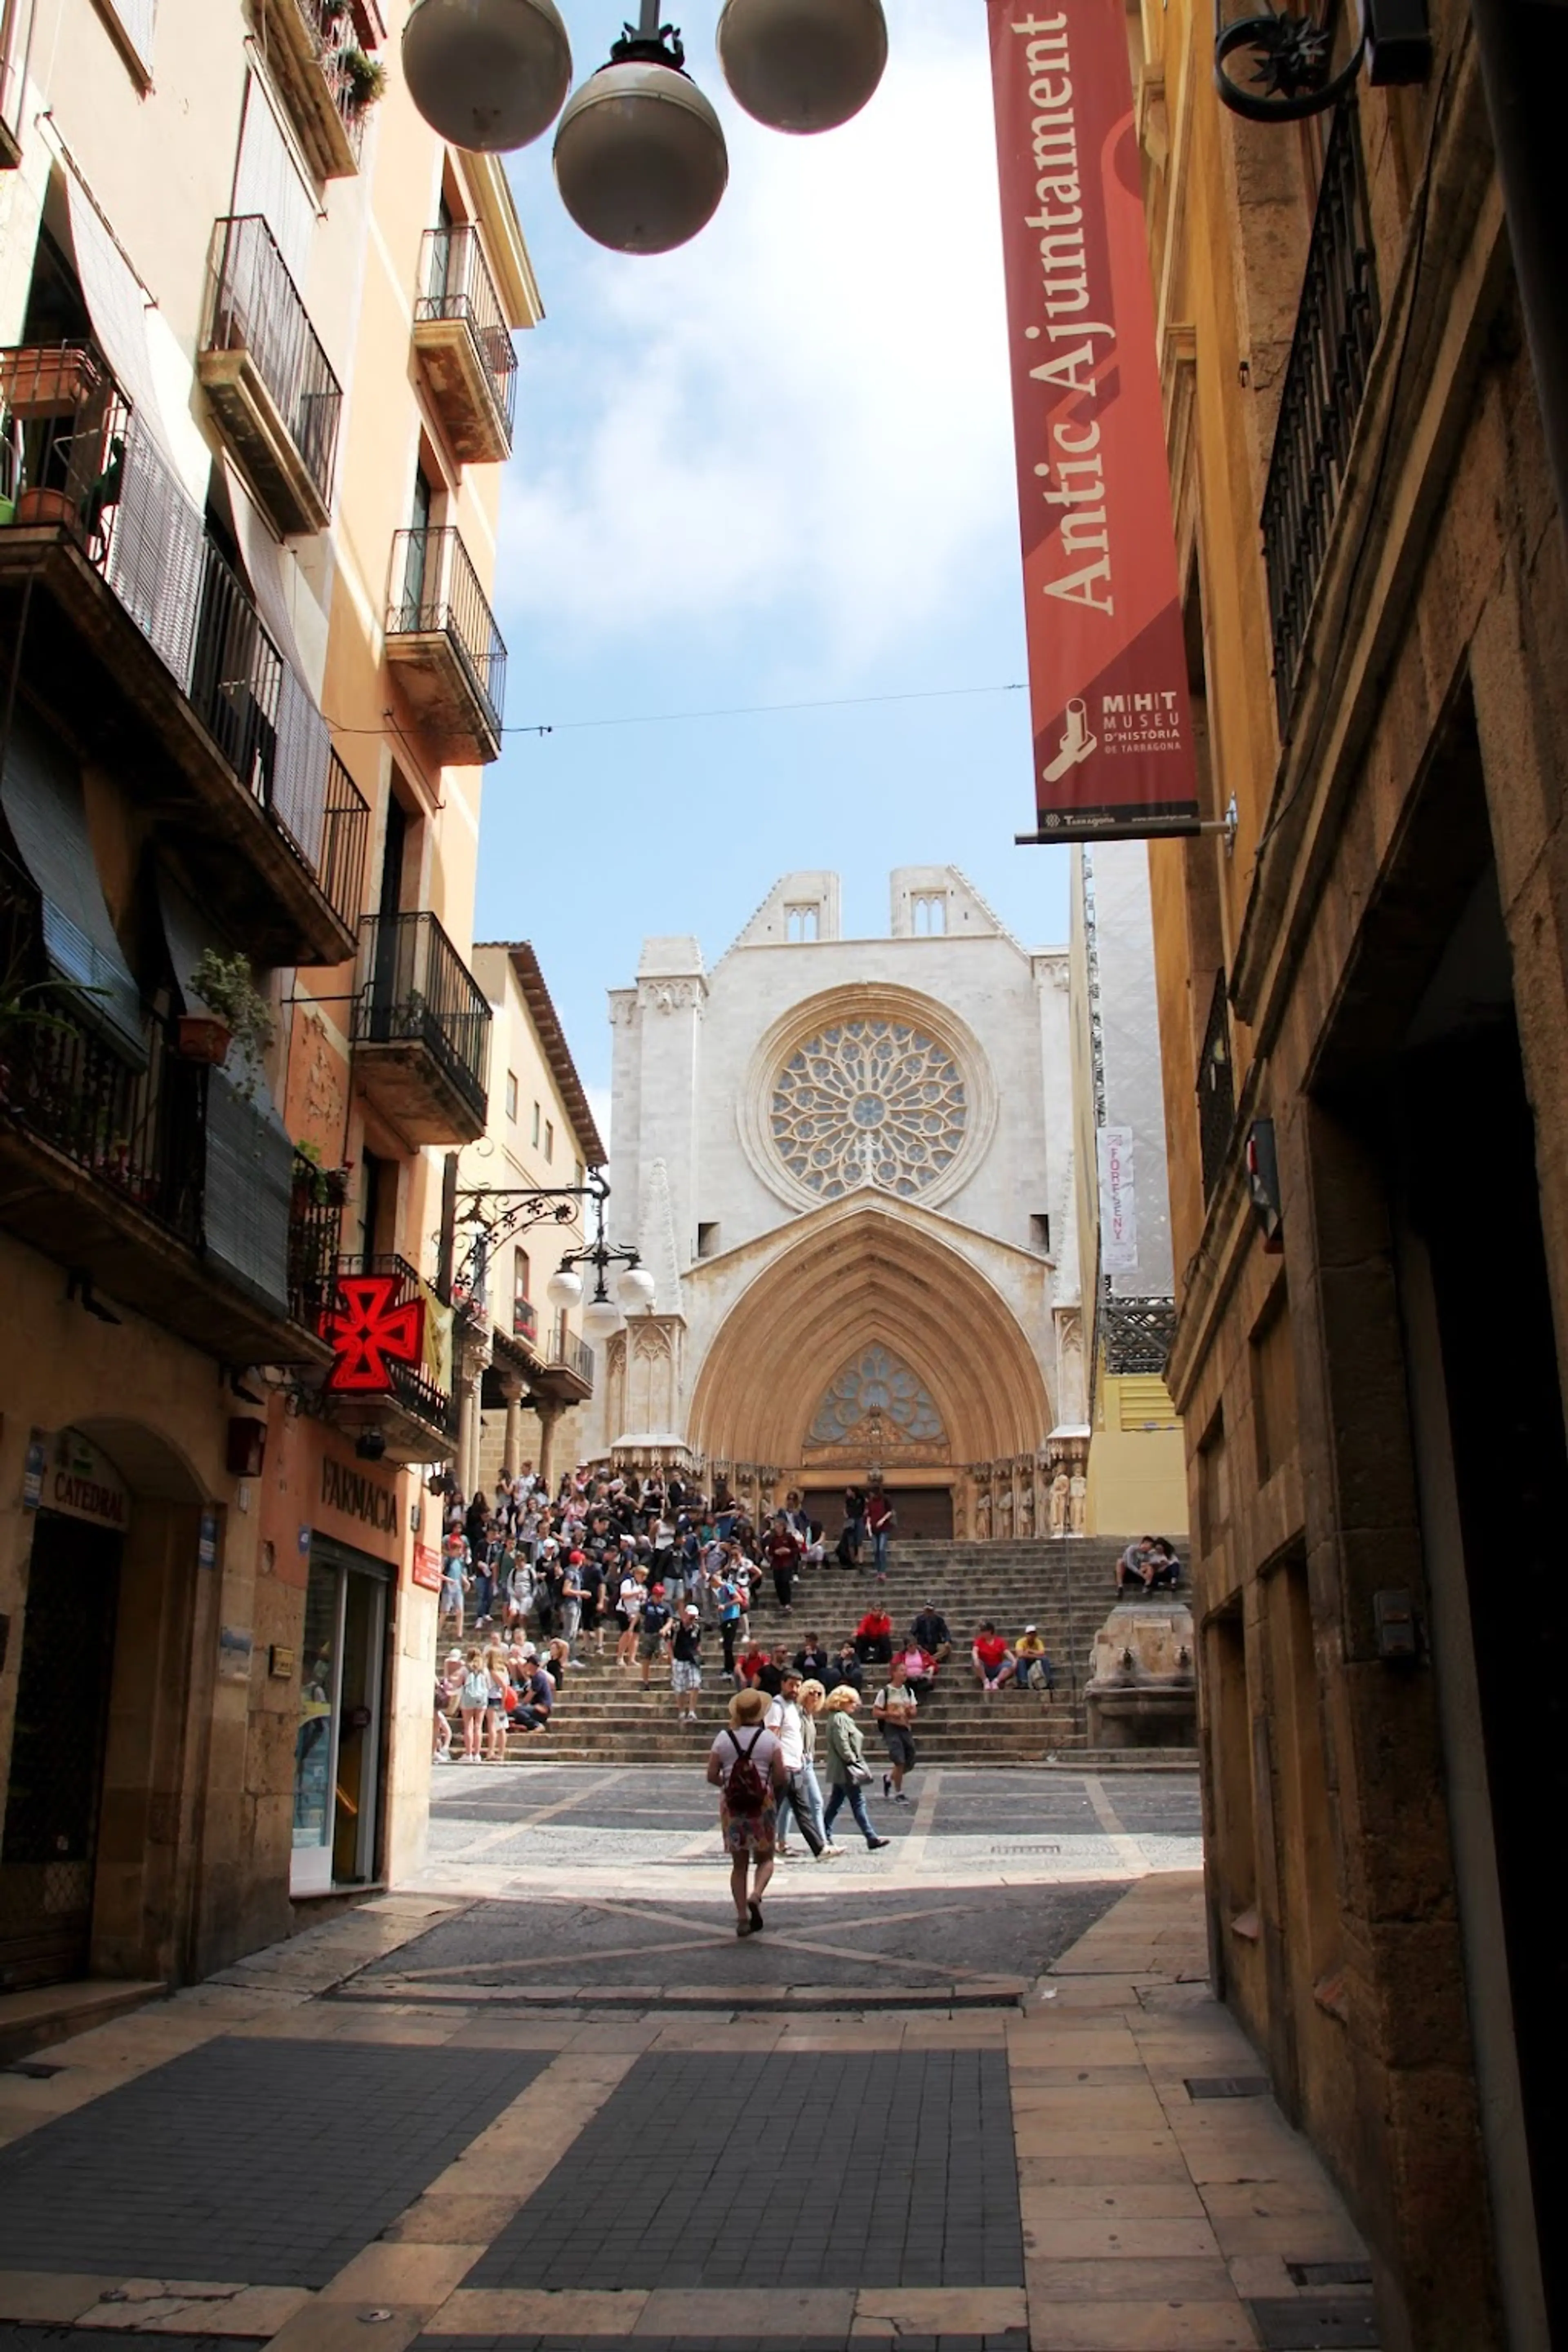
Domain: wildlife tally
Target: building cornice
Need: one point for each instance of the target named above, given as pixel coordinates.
(552, 1042)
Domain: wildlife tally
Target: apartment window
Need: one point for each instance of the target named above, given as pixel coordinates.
(1214, 1484)
(550, 1138)
(1272, 1364)
(521, 1273)
(524, 1316)
(800, 925)
(537, 1117)
(931, 914)
(511, 1096)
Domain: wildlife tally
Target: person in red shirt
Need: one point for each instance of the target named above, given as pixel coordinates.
(880, 1520)
(874, 1638)
(749, 1663)
(993, 1660)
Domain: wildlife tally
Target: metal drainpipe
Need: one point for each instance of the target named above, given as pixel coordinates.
(1523, 47)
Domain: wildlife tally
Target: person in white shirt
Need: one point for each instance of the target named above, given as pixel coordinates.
(784, 1719)
(746, 1813)
(895, 1706)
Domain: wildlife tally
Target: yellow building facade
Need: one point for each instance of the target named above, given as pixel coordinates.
(1362, 1012)
(257, 377)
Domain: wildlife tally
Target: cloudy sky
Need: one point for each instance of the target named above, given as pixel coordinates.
(771, 468)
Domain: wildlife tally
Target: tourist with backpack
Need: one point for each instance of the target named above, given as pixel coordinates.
(745, 1765)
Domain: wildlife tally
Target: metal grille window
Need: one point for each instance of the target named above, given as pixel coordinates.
(1336, 330)
(1216, 1088)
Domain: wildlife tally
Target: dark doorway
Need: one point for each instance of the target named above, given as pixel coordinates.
(1474, 1194)
(923, 1511)
(52, 1803)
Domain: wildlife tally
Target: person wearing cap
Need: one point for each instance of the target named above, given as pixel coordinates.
(685, 1635)
(657, 1614)
(784, 1720)
(1031, 1667)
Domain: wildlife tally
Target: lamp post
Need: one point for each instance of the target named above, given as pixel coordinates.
(640, 159)
(495, 1212)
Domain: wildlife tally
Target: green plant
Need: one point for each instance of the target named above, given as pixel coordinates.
(367, 77)
(223, 984)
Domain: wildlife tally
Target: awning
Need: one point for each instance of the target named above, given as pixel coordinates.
(41, 793)
(133, 341)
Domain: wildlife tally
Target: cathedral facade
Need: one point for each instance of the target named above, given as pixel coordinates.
(850, 1165)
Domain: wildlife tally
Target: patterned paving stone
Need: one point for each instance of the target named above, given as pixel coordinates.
(270, 2162)
(757, 2170)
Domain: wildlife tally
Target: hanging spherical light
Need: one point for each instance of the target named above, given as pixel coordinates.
(803, 65)
(565, 1288)
(635, 1289)
(600, 1319)
(639, 157)
(488, 75)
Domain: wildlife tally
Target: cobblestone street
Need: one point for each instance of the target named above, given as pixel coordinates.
(537, 2100)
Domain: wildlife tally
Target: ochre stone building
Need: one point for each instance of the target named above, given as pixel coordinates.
(1365, 1039)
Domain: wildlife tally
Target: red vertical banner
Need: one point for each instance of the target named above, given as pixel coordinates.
(1107, 678)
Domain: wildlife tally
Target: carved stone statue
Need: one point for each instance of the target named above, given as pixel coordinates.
(1060, 1488)
(1078, 1492)
(1026, 1506)
(1004, 1510)
(982, 1516)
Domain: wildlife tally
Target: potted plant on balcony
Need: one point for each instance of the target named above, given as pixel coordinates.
(236, 1014)
(366, 78)
(326, 1187)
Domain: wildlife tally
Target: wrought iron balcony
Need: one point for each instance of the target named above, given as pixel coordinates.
(418, 1419)
(315, 54)
(566, 1375)
(150, 642)
(1325, 379)
(525, 1320)
(1216, 1088)
(421, 1030)
(465, 345)
(269, 379)
(442, 638)
(150, 1176)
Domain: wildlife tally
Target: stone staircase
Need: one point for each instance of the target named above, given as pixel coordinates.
(605, 1716)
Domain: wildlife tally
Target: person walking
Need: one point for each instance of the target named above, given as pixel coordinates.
(746, 1766)
(811, 1698)
(847, 1770)
(783, 1549)
(880, 1520)
(895, 1706)
(785, 1719)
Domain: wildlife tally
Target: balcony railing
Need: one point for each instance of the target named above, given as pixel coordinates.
(417, 991)
(315, 1234)
(572, 1354)
(76, 458)
(437, 592)
(256, 309)
(1336, 330)
(524, 1320)
(456, 285)
(412, 1386)
(321, 35)
(1216, 1088)
(168, 1138)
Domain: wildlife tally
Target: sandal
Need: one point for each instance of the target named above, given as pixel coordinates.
(744, 1928)
(755, 1909)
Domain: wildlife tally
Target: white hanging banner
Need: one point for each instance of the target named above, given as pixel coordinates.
(1118, 1201)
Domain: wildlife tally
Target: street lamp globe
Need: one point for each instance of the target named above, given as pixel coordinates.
(487, 74)
(639, 157)
(565, 1288)
(802, 65)
(637, 1288)
(600, 1319)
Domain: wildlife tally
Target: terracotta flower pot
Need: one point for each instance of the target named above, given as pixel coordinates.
(203, 1038)
(38, 505)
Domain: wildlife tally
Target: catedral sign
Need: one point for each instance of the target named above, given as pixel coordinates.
(1113, 741)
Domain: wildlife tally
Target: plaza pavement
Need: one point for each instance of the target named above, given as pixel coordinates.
(979, 2100)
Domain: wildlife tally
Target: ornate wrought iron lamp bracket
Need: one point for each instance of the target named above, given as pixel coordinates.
(1294, 74)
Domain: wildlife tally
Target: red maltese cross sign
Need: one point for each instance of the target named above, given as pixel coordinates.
(371, 1332)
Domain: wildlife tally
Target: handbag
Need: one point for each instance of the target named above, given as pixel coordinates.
(859, 1774)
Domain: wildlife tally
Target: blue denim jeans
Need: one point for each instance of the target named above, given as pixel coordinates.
(879, 1543)
(842, 1794)
(813, 1798)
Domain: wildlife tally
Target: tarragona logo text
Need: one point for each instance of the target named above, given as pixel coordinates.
(1075, 471)
(1139, 722)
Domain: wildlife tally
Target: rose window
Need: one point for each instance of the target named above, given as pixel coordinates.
(868, 1102)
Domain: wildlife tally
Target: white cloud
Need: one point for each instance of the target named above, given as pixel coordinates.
(804, 411)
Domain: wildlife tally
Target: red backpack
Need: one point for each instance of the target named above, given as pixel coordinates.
(745, 1791)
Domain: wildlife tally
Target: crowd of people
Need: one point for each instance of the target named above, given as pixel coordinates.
(541, 1580)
